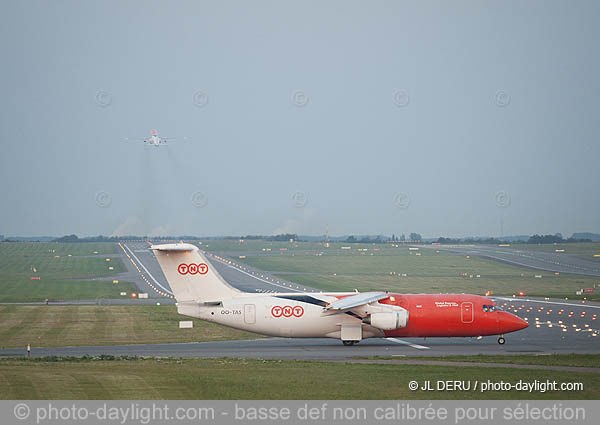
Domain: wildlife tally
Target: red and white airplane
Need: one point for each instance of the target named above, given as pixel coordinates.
(202, 293)
(154, 139)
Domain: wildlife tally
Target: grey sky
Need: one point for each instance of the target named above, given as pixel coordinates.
(481, 112)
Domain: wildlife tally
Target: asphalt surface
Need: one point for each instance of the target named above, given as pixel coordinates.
(139, 258)
(145, 273)
(556, 326)
(99, 301)
(326, 349)
(545, 261)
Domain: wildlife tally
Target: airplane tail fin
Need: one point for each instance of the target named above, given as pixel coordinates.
(190, 275)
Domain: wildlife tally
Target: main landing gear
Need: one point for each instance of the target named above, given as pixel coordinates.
(501, 340)
(349, 343)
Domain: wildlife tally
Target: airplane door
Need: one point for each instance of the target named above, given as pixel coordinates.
(249, 314)
(466, 312)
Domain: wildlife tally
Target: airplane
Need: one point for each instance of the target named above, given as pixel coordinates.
(201, 292)
(154, 139)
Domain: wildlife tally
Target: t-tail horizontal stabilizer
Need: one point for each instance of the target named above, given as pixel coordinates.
(191, 276)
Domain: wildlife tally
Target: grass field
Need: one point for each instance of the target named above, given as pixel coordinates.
(334, 269)
(585, 249)
(401, 270)
(574, 360)
(62, 268)
(379, 267)
(256, 245)
(47, 326)
(260, 379)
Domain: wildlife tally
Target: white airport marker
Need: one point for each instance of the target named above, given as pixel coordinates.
(400, 341)
(551, 302)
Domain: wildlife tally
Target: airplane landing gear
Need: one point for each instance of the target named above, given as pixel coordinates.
(501, 340)
(349, 343)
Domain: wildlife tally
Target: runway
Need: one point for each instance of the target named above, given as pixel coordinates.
(556, 326)
(548, 261)
(145, 272)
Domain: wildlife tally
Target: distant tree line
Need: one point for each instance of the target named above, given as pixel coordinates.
(283, 237)
(535, 239)
(556, 238)
(75, 238)
(594, 237)
(363, 239)
(101, 238)
(452, 241)
(413, 237)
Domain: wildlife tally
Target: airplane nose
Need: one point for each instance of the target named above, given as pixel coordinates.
(510, 323)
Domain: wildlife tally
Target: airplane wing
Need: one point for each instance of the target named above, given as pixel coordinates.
(172, 139)
(134, 139)
(174, 247)
(356, 300)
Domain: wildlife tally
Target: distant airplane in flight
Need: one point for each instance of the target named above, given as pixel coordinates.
(201, 292)
(154, 139)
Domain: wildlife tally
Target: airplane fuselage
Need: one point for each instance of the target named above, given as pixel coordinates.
(302, 315)
(155, 140)
(202, 292)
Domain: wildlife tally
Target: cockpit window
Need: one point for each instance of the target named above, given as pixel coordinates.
(489, 308)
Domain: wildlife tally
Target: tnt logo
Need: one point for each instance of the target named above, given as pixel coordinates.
(287, 311)
(192, 268)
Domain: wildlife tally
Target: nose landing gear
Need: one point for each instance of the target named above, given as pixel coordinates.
(501, 340)
(349, 343)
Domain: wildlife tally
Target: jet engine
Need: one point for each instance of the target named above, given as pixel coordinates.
(388, 320)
